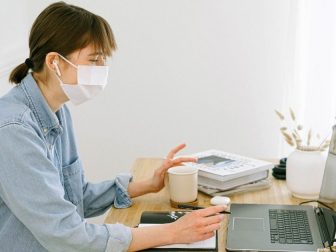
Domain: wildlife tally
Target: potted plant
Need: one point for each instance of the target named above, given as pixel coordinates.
(305, 165)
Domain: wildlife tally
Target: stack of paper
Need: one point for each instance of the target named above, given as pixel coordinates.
(257, 185)
(222, 171)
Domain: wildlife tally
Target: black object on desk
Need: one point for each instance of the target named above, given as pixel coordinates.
(182, 206)
(279, 171)
(152, 217)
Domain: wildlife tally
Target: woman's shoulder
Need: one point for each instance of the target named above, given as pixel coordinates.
(13, 112)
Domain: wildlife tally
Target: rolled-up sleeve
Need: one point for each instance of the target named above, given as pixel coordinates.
(120, 238)
(30, 186)
(100, 196)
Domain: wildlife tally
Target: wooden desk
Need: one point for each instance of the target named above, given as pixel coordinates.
(144, 167)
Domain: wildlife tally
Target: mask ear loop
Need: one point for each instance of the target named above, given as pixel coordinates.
(56, 68)
(68, 61)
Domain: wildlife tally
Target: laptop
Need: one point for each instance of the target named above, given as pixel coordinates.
(261, 227)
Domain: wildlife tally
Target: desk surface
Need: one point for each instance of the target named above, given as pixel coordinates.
(144, 167)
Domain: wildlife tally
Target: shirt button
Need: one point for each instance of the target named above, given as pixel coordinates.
(45, 130)
(50, 146)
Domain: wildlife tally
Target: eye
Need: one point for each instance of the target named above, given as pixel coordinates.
(98, 61)
(93, 62)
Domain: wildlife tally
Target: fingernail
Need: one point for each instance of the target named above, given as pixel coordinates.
(222, 216)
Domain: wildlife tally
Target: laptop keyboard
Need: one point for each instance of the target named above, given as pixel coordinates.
(289, 227)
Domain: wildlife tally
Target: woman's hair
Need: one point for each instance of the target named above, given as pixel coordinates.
(64, 28)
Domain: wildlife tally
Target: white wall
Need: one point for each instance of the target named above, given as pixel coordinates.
(208, 73)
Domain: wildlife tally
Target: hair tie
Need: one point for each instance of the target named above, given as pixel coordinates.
(29, 63)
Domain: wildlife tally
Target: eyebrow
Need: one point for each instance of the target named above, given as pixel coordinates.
(95, 53)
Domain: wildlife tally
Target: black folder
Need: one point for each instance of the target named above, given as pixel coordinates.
(150, 217)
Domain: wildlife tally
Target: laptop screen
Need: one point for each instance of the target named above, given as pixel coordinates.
(329, 222)
(328, 188)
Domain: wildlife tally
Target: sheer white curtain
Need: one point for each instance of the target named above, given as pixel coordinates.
(311, 84)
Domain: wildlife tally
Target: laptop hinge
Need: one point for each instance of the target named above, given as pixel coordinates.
(327, 240)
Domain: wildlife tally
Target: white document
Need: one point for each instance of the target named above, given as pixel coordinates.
(224, 164)
(206, 244)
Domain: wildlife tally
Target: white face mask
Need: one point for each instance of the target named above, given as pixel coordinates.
(91, 81)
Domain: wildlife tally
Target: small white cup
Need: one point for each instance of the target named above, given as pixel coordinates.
(183, 184)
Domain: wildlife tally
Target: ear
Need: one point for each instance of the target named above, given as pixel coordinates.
(55, 63)
(52, 62)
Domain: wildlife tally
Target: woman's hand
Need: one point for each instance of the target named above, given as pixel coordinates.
(157, 181)
(197, 225)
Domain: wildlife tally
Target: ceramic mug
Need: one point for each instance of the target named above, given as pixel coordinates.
(183, 183)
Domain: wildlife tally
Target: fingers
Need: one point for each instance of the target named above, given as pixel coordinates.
(176, 162)
(212, 224)
(211, 210)
(184, 159)
(215, 219)
(196, 226)
(208, 235)
(175, 150)
(212, 227)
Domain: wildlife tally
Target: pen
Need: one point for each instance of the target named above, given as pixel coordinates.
(182, 206)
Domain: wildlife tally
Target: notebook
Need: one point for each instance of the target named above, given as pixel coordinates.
(150, 218)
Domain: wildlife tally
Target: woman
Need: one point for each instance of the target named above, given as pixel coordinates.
(44, 197)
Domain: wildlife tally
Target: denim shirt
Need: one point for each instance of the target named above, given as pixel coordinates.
(44, 196)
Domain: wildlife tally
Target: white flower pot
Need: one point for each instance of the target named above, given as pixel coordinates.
(304, 173)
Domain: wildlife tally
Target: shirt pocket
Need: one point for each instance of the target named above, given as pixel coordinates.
(73, 186)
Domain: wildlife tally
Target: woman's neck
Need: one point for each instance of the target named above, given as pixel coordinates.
(51, 91)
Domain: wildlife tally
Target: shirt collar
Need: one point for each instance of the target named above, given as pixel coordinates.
(37, 103)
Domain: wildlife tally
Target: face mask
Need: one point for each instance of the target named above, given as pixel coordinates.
(91, 81)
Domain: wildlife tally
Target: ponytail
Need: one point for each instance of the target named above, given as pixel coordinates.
(18, 73)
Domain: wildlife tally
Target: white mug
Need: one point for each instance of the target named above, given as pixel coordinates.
(183, 184)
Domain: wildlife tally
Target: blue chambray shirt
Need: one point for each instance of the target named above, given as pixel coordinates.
(44, 197)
